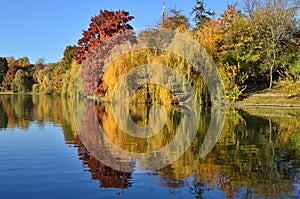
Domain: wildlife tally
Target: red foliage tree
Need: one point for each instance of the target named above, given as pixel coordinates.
(102, 27)
(108, 29)
(107, 176)
(10, 75)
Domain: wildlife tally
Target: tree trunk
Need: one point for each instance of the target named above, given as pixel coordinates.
(272, 66)
(271, 76)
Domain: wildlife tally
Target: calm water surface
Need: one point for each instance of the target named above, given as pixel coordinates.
(42, 155)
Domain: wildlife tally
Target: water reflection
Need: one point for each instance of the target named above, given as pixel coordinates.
(105, 140)
(107, 176)
(257, 154)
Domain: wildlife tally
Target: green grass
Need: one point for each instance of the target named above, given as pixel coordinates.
(271, 100)
(271, 111)
(284, 87)
(279, 95)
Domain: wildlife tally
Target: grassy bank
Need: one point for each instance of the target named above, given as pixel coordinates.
(283, 94)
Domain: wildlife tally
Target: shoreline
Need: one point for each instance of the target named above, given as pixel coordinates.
(254, 100)
(264, 105)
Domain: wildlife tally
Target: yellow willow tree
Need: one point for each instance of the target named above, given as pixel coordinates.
(69, 77)
(45, 79)
(147, 93)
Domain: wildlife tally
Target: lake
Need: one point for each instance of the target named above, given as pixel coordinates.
(49, 150)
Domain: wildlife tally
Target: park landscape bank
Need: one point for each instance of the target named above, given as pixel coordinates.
(240, 42)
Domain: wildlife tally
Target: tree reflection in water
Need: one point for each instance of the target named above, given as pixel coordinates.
(257, 154)
(107, 176)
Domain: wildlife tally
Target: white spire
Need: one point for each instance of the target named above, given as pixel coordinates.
(164, 12)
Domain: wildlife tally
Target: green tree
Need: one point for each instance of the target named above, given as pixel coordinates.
(3, 68)
(68, 56)
(296, 69)
(21, 83)
(240, 43)
(64, 66)
(276, 20)
(202, 14)
(3, 117)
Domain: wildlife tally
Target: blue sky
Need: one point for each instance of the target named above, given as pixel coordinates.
(42, 29)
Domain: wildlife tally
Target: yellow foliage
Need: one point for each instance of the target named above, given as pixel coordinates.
(209, 35)
(153, 93)
(233, 80)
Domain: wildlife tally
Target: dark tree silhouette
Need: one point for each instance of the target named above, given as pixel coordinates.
(201, 13)
(3, 68)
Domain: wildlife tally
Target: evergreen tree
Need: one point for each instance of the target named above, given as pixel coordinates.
(3, 68)
(201, 13)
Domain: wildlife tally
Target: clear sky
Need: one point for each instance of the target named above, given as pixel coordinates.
(43, 28)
